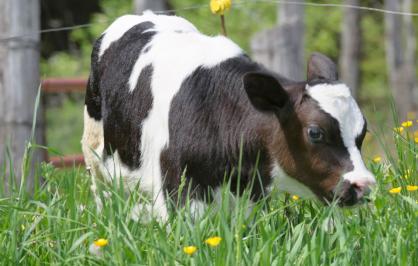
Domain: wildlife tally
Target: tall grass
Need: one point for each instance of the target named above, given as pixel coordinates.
(59, 223)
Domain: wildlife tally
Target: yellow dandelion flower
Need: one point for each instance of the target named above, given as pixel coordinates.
(395, 190)
(213, 241)
(101, 242)
(295, 197)
(416, 139)
(190, 250)
(398, 130)
(377, 159)
(215, 7)
(412, 188)
(407, 123)
(96, 247)
(219, 7)
(228, 4)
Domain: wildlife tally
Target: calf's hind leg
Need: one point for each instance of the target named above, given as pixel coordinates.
(92, 146)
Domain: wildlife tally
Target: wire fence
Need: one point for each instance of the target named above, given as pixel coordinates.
(237, 4)
(78, 85)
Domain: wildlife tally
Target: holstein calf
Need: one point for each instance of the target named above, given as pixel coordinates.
(164, 99)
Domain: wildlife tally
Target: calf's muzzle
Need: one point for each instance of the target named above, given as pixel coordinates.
(350, 193)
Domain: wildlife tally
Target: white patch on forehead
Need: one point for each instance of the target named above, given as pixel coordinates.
(336, 100)
(285, 183)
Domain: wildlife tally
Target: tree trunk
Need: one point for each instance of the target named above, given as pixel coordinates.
(290, 58)
(410, 60)
(19, 82)
(282, 49)
(154, 5)
(400, 55)
(351, 46)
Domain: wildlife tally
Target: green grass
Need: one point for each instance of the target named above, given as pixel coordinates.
(60, 222)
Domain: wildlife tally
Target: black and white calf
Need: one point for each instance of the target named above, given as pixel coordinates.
(163, 98)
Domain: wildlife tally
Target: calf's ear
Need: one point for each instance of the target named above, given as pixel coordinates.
(321, 67)
(265, 91)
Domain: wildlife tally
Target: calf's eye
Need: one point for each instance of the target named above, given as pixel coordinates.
(315, 134)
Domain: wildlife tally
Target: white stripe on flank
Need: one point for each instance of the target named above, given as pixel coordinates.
(175, 55)
(162, 23)
(337, 101)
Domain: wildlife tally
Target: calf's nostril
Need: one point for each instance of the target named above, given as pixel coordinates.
(346, 193)
(360, 190)
(350, 193)
(363, 187)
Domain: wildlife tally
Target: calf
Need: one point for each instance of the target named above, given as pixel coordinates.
(164, 99)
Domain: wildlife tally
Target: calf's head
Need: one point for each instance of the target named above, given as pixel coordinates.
(316, 141)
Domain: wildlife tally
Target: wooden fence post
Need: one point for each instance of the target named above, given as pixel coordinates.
(400, 56)
(19, 83)
(351, 46)
(281, 49)
(155, 5)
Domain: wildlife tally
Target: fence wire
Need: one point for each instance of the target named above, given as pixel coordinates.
(237, 4)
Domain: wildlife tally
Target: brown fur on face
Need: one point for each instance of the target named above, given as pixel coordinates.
(319, 159)
(319, 166)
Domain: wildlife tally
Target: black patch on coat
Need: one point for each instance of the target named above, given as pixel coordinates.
(123, 124)
(209, 117)
(123, 111)
(93, 100)
(360, 138)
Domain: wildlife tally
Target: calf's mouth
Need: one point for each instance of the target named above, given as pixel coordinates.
(349, 194)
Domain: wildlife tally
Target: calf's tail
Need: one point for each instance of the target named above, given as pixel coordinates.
(92, 141)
